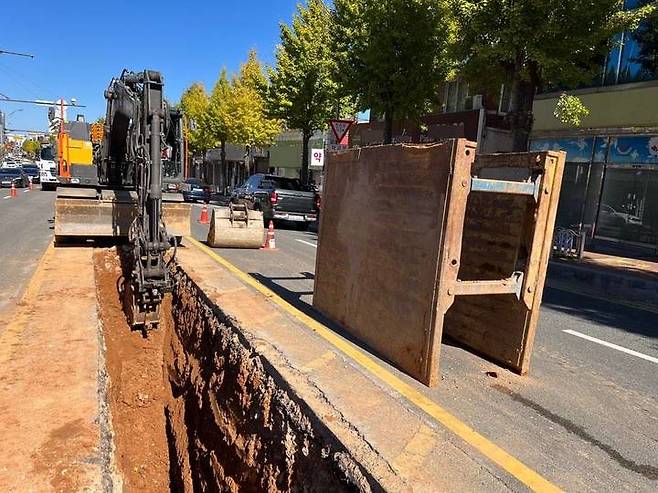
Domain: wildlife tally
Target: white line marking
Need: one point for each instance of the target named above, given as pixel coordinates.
(25, 191)
(7, 197)
(307, 243)
(611, 345)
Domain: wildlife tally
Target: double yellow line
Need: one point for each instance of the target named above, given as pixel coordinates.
(490, 450)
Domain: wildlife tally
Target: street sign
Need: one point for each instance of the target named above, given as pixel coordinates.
(340, 128)
(317, 158)
(338, 147)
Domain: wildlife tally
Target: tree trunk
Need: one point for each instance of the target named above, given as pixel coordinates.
(522, 96)
(304, 176)
(388, 127)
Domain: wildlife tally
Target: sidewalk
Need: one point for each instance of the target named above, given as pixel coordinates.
(361, 405)
(622, 280)
(50, 421)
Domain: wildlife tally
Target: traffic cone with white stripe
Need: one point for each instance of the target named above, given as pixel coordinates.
(13, 190)
(30, 180)
(270, 244)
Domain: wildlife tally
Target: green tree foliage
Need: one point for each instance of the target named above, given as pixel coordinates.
(570, 110)
(533, 44)
(392, 54)
(195, 102)
(31, 147)
(303, 92)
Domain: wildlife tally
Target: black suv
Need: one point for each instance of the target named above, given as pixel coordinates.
(279, 198)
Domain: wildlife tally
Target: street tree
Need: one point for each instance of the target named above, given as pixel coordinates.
(195, 103)
(392, 55)
(250, 123)
(303, 91)
(219, 113)
(31, 147)
(535, 44)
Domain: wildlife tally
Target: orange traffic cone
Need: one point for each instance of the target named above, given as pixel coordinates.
(203, 218)
(13, 190)
(270, 244)
(30, 180)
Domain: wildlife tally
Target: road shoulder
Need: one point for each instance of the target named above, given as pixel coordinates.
(50, 419)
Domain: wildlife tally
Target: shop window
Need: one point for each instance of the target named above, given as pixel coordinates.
(629, 206)
(635, 149)
(579, 149)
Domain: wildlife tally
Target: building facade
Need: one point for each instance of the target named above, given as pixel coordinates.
(610, 186)
(286, 154)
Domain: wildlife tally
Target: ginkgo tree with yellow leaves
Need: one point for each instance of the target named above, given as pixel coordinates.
(235, 111)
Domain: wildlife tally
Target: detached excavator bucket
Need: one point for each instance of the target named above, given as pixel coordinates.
(85, 213)
(236, 227)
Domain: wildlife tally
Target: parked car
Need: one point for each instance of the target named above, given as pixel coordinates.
(193, 189)
(279, 198)
(10, 163)
(32, 171)
(15, 176)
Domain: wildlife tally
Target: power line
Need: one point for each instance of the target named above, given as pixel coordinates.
(41, 102)
(16, 53)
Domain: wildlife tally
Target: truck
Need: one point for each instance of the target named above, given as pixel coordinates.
(279, 198)
(48, 167)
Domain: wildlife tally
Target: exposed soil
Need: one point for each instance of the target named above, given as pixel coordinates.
(137, 392)
(194, 407)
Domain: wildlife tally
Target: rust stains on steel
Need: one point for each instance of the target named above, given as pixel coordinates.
(456, 260)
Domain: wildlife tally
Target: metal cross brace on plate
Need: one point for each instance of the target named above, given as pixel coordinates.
(530, 188)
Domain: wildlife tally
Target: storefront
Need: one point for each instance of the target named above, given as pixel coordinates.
(610, 187)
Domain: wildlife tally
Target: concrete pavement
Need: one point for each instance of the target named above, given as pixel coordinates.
(587, 415)
(24, 235)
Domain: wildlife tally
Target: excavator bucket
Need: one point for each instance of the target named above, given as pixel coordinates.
(236, 227)
(87, 213)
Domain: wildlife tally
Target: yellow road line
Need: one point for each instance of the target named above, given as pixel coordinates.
(493, 452)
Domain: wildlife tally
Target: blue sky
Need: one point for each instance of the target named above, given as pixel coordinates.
(80, 45)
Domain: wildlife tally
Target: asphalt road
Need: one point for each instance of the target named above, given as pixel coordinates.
(24, 235)
(587, 415)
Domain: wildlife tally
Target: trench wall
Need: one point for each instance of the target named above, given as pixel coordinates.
(233, 422)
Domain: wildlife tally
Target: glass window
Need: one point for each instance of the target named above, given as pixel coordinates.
(629, 206)
(600, 154)
(634, 150)
(579, 149)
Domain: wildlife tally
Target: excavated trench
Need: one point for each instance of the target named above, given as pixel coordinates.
(193, 407)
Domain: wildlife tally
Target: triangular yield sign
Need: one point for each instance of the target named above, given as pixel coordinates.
(340, 128)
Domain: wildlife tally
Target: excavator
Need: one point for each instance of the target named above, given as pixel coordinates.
(139, 156)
